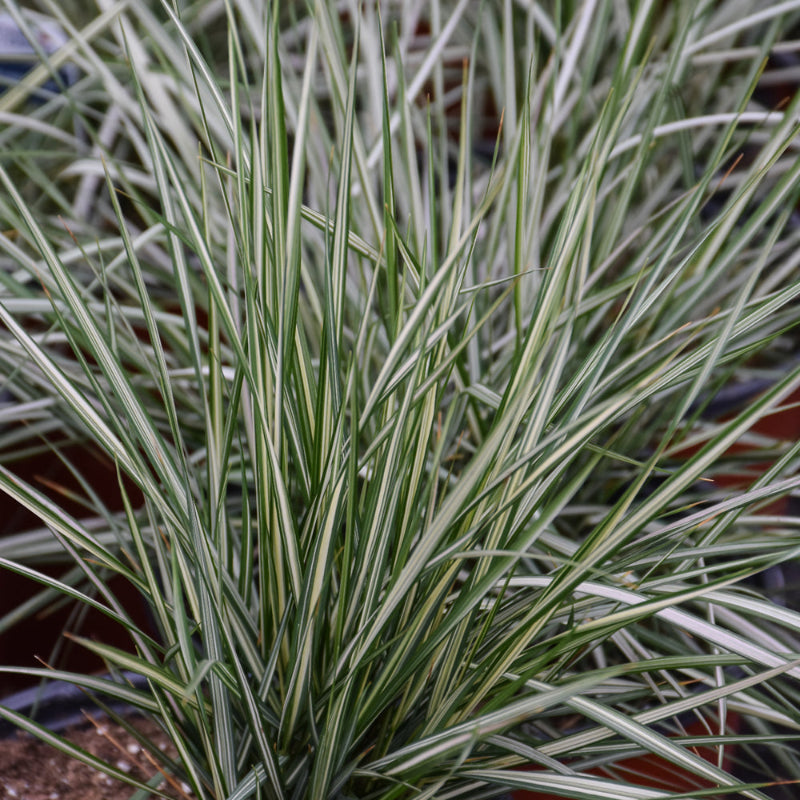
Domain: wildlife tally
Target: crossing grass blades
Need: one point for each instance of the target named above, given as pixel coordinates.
(401, 429)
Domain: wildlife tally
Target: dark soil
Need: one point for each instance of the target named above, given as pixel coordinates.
(31, 770)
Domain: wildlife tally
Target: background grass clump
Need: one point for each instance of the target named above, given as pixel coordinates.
(403, 329)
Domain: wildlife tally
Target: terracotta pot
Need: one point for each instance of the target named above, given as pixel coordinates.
(655, 772)
(37, 636)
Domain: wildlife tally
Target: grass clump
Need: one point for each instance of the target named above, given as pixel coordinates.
(410, 410)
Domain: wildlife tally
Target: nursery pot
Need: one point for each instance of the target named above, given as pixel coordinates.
(58, 705)
(33, 769)
(18, 51)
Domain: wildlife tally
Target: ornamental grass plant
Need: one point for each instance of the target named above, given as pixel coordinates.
(400, 327)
